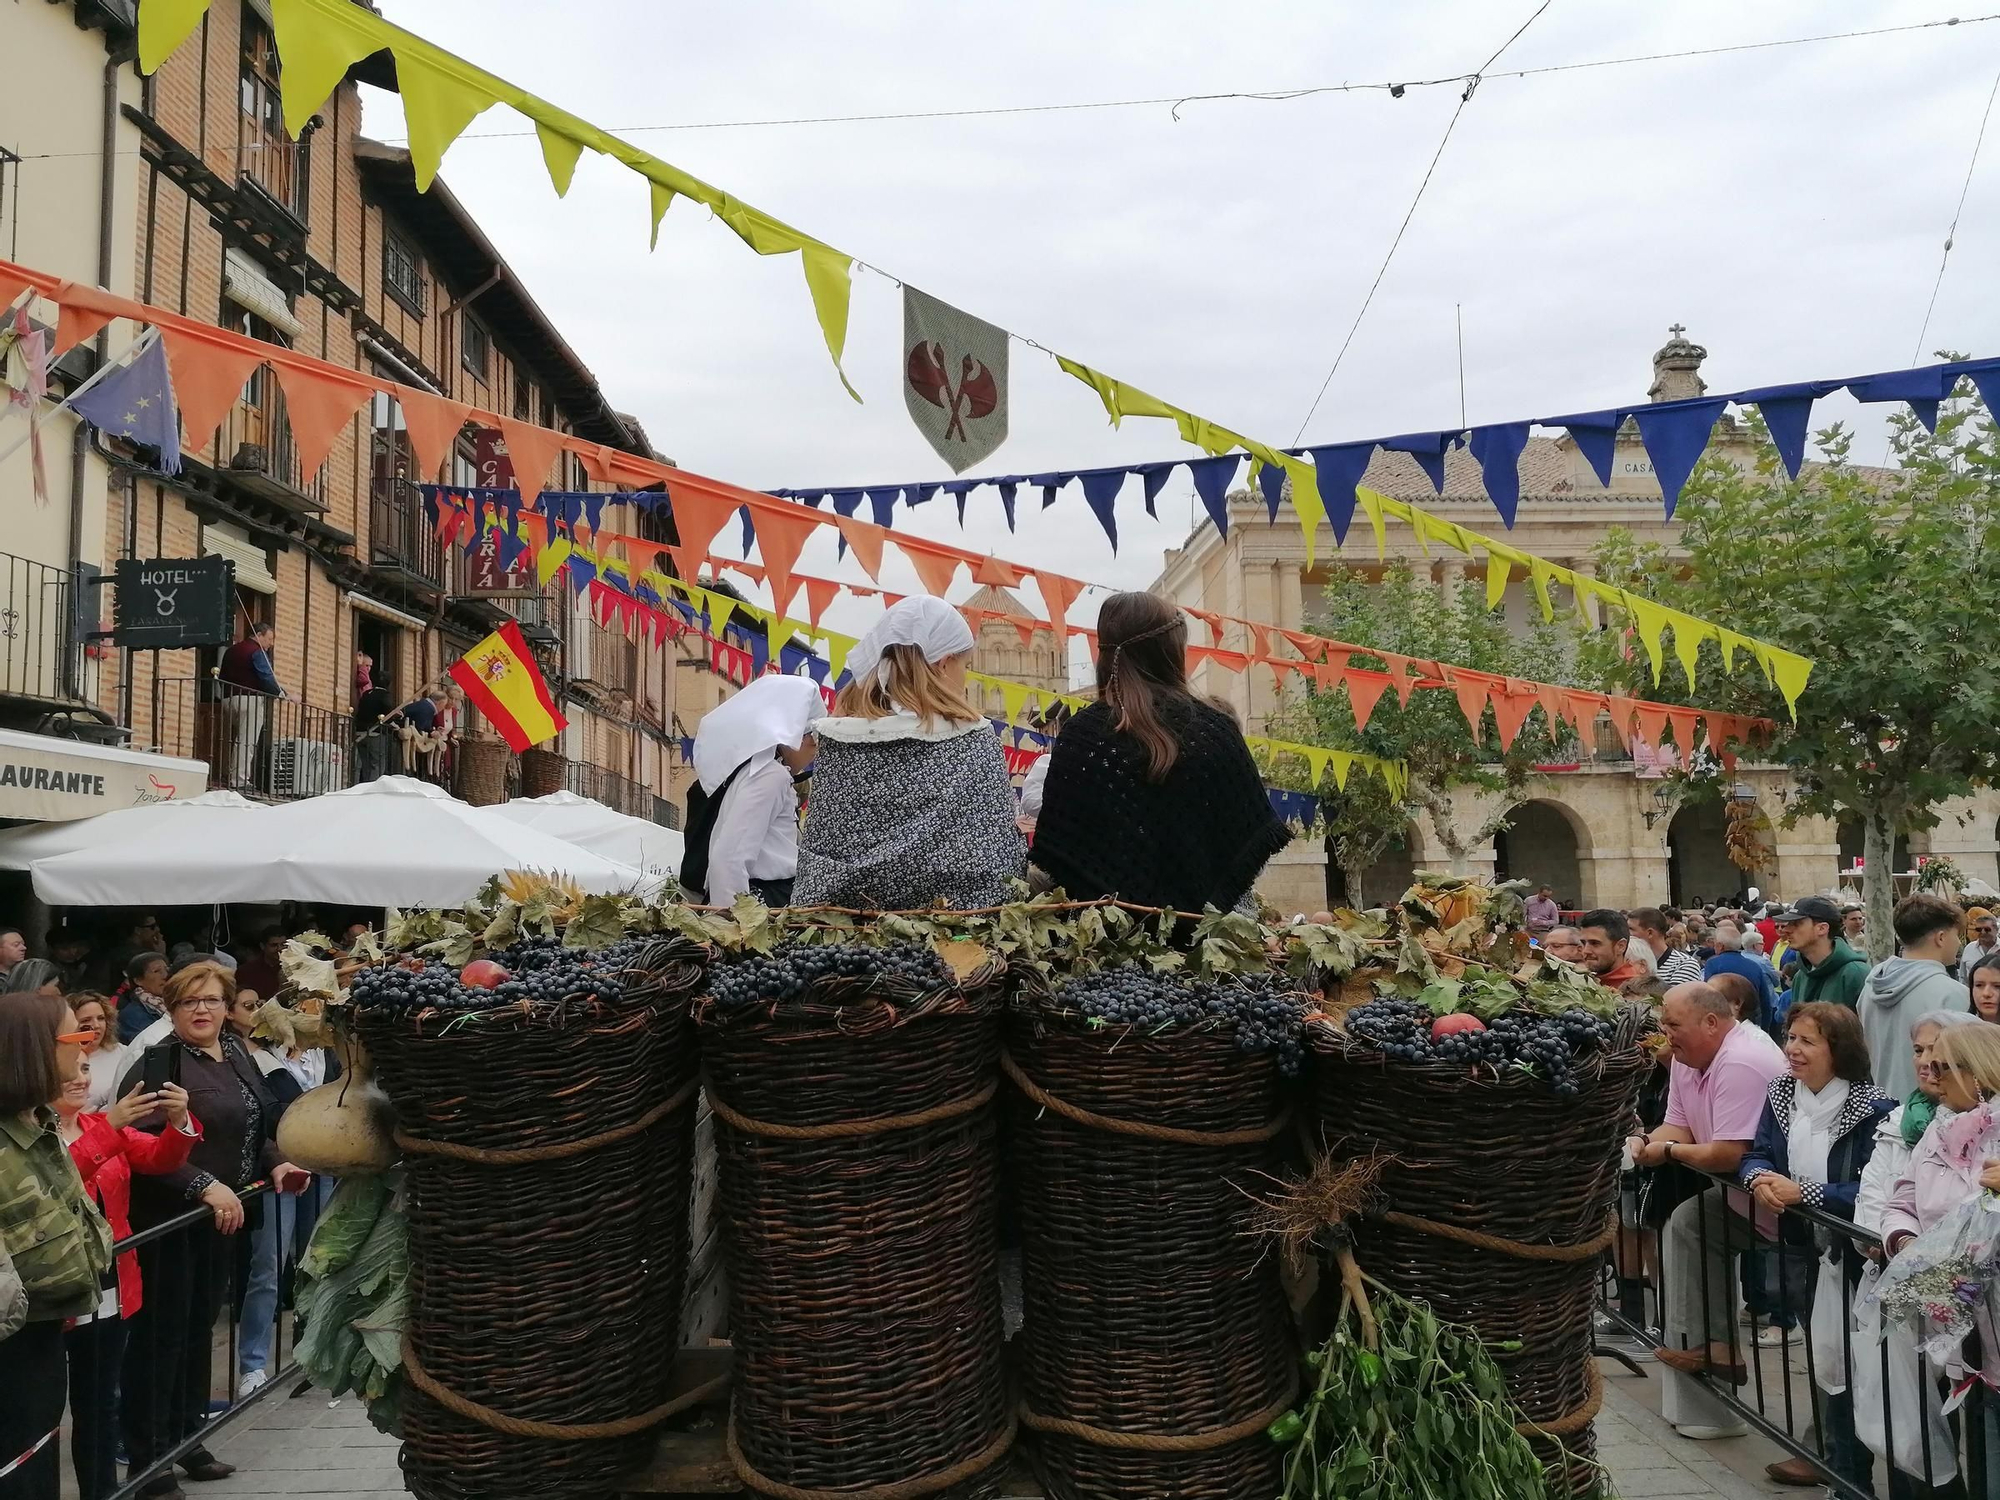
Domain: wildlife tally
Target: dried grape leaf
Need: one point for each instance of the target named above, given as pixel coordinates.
(965, 957)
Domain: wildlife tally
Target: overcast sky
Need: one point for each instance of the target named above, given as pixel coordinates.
(1787, 205)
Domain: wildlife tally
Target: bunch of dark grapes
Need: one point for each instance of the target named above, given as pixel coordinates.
(1265, 1013)
(788, 971)
(1551, 1045)
(540, 971)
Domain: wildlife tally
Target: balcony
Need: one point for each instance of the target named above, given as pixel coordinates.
(37, 621)
(277, 749)
(401, 539)
(258, 453)
(620, 793)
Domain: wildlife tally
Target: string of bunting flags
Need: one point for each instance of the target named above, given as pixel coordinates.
(209, 367)
(954, 364)
(618, 588)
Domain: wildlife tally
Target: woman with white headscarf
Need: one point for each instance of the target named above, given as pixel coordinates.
(911, 803)
(746, 752)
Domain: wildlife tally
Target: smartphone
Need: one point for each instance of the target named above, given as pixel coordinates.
(159, 1069)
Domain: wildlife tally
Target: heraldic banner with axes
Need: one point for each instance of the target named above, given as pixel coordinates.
(955, 379)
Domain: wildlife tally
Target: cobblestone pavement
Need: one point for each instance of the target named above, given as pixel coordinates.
(307, 1446)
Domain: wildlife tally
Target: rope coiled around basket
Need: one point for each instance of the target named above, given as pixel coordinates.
(902, 1489)
(520, 1156)
(1162, 1442)
(473, 1411)
(951, 1109)
(1249, 1135)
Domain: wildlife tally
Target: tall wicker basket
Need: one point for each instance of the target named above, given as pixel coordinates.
(548, 1157)
(1498, 1209)
(856, 1144)
(1157, 1344)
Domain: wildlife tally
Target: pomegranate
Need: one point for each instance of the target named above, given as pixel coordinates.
(483, 974)
(1445, 1026)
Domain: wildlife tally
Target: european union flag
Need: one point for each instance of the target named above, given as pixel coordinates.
(137, 403)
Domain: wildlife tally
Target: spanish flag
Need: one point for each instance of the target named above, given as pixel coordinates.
(499, 675)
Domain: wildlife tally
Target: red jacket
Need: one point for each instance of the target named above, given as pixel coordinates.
(107, 1158)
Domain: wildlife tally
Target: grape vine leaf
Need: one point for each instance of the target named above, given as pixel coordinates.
(598, 922)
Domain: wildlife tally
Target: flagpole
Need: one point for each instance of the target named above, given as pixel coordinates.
(137, 346)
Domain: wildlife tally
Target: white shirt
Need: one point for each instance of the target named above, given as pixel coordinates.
(756, 833)
(107, 1064)
(1031, 787)
(1969, 955)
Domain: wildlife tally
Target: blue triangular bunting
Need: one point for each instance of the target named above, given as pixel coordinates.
(1100, 493)
(845, 502)
(1427, 448)
(883, 498)
(1595, 434)
(1340, 467)
(1008, 488)
(1922, 389)
(1155, 477)
(1211, 482)
(1676, 434)
(1271, 482)
(1498, 451)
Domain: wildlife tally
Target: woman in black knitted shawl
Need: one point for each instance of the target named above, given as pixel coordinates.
(1152, 796)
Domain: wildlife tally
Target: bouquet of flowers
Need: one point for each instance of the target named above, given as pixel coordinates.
(1941, 1281)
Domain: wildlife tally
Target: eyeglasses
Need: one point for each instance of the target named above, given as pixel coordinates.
(204, 1002)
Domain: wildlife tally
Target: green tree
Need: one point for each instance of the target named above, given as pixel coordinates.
(1413, 617)
(1887, 581)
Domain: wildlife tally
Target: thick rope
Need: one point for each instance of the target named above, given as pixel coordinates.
(1576, 1421)
(1162, 1442)
(1247, 1136)
(523, 1155)
(902, 1489)
(847, 1129)
(486, 1416)
(1502, 1246)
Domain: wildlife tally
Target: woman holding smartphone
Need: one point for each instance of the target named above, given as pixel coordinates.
(186, 1273)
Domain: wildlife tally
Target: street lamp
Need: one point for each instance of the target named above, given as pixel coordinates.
(1663, 803)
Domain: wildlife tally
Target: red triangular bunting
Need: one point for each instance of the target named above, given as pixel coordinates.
(209, 376)
(1364, 691)
(532, 450)
(782, 531)
(433, 423)
(317, 405)
(865, 539)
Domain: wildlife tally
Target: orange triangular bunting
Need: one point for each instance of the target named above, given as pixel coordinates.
(935, 570)
(433, 423)
(865, 538)
(1058, 594)
(317, 405)
(1399, 673)
(1620, 710)
(532, 450)
(1001, 575)
(1471, 688)
(698, 516)
(1552, 706)
(820, 592)
(209, 376)
(1510, 712)
(782, 531)
(1583, 709)
(1652, 724)
(1235, 661)
(1683, 721)
(1025, 628)
(1364, 691)
(77, 322)
(1311, 647)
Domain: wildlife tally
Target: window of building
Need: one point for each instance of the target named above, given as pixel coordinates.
(402, 273)
(265, 153)
(475, 346)
(524, 396)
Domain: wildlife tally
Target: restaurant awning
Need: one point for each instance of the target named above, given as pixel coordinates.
(45, 779)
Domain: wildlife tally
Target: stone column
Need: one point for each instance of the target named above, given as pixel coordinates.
(1254, 691)
(1451, 577)
(1291, 596)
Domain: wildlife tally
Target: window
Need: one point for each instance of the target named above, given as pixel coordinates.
(402, 275)
(265, 153)
(524, 396)
(475, 346)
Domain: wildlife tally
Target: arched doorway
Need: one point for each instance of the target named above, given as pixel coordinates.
(1542, 845)
(1853, 837)
(1698, 864)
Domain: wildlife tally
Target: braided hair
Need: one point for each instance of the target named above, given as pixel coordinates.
(1141, 661)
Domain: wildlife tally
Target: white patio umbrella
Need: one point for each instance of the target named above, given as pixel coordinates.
(21, 847)
(392, 842)
(602, 830)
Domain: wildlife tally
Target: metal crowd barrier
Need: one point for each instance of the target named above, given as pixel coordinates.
(281, 1366)
(1782, 1398)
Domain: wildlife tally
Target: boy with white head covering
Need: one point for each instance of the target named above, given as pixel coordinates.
(747, 750)
(911, 803)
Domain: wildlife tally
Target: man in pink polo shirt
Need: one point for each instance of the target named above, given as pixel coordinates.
(1715, 1097)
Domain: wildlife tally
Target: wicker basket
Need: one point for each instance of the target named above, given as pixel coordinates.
(1498, 1199)
(856, 1144)
(548, 1173)
(482, 771)
(542, 772)
(1157, 1344)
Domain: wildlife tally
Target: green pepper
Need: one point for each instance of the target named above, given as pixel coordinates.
(1287, 1428)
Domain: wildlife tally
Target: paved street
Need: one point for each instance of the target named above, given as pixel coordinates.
(306, 1446)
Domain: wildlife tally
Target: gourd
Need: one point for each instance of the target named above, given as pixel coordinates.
(346, 1127)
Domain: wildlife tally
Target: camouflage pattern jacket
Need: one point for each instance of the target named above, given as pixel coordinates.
(57, 1240)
